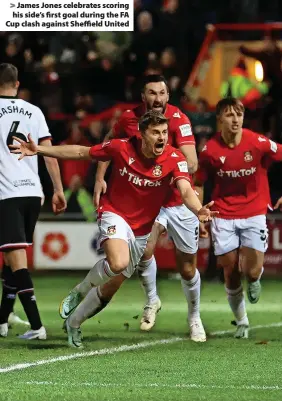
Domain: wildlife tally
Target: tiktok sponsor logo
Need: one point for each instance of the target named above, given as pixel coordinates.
(244, 172)
(141, 182)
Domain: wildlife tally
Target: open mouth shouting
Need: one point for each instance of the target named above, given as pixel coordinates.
(159, 148)
(158, 106)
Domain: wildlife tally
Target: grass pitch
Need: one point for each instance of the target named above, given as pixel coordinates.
(121, 363)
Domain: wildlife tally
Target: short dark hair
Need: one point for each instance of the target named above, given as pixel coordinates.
(152, 117)
(229, 102)
(153, 78)
(8, 74)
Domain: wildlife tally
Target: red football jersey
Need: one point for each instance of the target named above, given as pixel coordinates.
(180, 133)
(239, 174)
(138, 186)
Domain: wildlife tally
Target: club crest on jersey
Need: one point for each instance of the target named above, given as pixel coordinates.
(176, 115)
(157, 172)
(248, 156)
(111, 230)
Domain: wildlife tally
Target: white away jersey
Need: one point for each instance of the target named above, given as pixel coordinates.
(19, 118)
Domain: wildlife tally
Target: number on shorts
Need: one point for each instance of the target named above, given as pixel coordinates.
(13, 132)
(197, 234)
(262, 235)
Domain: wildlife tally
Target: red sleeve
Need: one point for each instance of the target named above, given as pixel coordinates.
(272, 149)
(119, 127)
(183, 131)
(181, 171)
(106, 151)
(202, 174)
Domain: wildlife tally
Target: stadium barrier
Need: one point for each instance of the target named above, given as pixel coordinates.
(73, 246)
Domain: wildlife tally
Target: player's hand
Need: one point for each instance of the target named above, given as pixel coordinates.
(100, 188)
(278, 204)
(205, 214)
(203, 231)
(59, 203)
(24, 148)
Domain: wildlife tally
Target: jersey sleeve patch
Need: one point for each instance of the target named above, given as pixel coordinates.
(273, 146)
(183, 167)
(185, 130)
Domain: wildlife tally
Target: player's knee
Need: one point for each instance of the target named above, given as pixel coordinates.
(254, 273)
(119, 264)
(187, 270)
(186, 264)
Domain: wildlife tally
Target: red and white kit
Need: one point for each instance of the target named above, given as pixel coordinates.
(182, 225)
(240, 189)
(137, 189)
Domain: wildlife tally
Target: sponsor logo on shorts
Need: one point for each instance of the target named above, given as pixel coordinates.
(111, 230)
(157, 172)
(248, 156)
(237, 173)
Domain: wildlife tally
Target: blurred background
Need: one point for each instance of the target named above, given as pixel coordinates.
(84, 80)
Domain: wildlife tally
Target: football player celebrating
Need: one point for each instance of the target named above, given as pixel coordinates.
(143, 171)
(181, 224)
(236, 161)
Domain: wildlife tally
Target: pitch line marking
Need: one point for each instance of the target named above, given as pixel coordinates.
(115, 350)
(158, 385)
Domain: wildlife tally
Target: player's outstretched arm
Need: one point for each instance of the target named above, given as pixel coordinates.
(30, 148)
(192, 202)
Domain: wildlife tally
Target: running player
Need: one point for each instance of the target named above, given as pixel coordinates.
(20, 200)
(236, 161)
(181, 224)
(143, 170)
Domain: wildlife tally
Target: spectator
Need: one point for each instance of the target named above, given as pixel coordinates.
(270, 56)
(51, 92)
(74, 173)
(112, 45)
(146, 45)
(203, 123)
(240, 85)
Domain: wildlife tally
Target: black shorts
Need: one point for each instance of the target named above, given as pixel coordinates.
(18, 217)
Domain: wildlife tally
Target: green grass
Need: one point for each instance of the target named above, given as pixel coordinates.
(219, 370)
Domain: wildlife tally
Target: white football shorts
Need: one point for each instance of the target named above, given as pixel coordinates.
(112, 226)
(228, 235)
(182, 226)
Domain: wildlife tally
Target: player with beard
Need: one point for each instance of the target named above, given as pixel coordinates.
(143, 171)
(236, 161)
(181, 224)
